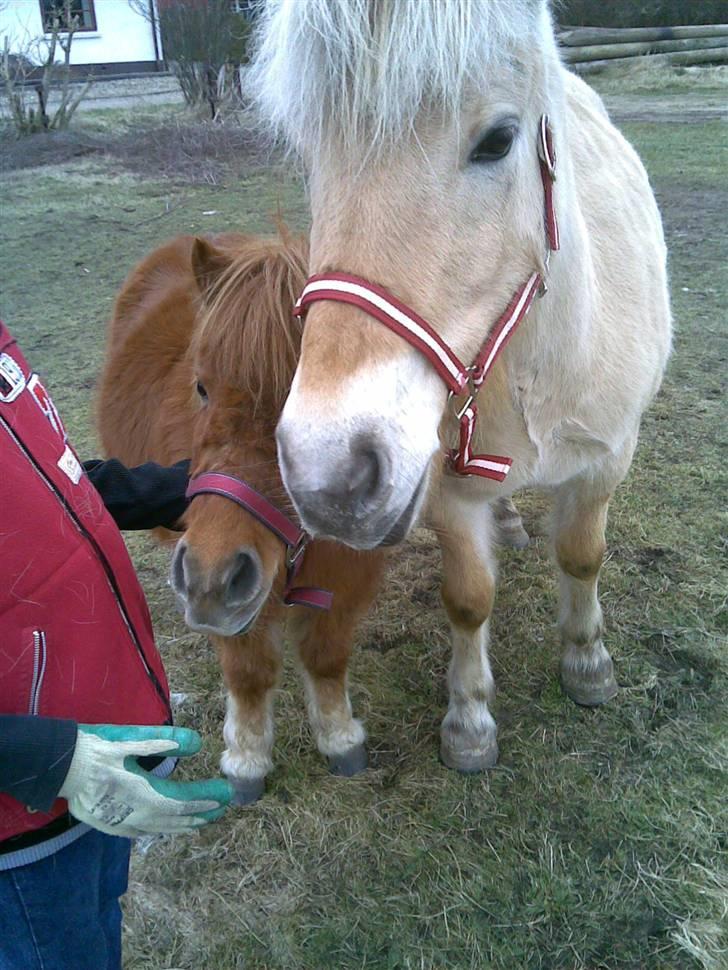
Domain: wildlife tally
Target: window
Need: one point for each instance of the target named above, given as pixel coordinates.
(82, 11)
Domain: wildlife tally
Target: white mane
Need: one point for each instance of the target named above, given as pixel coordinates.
(364, 68)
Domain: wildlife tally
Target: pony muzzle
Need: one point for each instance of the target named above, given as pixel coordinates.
(224, 599)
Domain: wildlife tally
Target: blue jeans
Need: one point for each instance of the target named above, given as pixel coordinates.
(63, 913)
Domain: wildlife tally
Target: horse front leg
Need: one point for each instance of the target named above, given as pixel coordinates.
(465, 530)
(250, 666)
(580, 515)
(324, 644)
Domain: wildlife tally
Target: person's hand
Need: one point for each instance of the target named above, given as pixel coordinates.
(106, 788)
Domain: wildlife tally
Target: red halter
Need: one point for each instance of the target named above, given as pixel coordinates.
(458, 378)
(295, 539)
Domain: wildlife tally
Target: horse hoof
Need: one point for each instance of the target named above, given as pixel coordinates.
(516, 538)
(586, 685)
(350, 763)
(471, 760)
(510, 525)
(246, 790)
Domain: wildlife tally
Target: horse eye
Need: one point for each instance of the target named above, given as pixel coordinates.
(494, 145)
(201, 391)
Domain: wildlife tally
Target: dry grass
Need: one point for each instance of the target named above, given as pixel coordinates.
(599, 842)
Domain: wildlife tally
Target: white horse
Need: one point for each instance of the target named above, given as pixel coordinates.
(429, 130)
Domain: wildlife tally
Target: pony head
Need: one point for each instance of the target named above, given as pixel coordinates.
(243, 354)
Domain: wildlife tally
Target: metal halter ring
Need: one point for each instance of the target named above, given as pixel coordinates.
(294, 553)
(472, 392)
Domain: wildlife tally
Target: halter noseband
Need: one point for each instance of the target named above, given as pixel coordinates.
(294, 538)
(459, 379)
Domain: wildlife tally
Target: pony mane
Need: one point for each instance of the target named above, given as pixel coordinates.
(246, 330)
(364, 68)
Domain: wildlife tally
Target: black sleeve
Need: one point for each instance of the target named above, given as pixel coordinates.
(35, 755)
(143, 497)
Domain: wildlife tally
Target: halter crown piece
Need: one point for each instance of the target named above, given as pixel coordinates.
(294, 538)
(459, 379)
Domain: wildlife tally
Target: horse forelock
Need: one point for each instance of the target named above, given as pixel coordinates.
(362, 69)
(246, 329)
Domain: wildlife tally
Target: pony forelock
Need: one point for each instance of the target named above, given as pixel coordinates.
(363, 69)
(246, 329)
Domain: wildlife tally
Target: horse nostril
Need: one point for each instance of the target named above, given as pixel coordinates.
(177, 571)
(243, 579)
(368, 470)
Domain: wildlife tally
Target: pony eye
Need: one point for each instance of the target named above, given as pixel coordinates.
(201, 391)
(494, 145)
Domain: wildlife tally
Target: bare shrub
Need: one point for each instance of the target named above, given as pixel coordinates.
(31, 74)
(189, 152)
(205, 43)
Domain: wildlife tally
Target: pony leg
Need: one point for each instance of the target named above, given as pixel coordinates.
(468, 732)
(250, 666)
(587, 672)
(324, 646)
(510, 525)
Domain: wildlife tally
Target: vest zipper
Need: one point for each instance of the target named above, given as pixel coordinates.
(111, 579)
(39, 667)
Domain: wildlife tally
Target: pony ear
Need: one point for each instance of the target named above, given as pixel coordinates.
(208, 264)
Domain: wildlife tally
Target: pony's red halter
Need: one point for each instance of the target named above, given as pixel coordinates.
(459, 379)
(295, 539)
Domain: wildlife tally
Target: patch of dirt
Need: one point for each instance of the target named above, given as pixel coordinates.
(46, 148)
(656, 559)
(658, 114)
(685, 667)
(681, 109)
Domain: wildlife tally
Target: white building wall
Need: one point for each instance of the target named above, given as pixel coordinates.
(121, 34)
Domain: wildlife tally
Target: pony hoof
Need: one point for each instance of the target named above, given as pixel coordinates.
(587, 685)
(471, 760)
(350, 763)
(246, 790)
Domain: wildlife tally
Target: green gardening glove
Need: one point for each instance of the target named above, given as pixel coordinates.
(106, 788)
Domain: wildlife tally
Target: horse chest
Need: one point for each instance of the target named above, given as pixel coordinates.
(561, 442)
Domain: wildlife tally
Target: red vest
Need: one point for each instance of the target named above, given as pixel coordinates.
(76, 637)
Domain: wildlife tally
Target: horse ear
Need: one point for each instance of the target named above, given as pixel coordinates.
(208, 264)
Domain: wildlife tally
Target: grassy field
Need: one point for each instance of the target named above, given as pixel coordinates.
(599, 841)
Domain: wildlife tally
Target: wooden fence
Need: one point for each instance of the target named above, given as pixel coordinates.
(591, 49)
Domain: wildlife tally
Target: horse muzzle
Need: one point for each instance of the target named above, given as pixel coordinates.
(358, 498)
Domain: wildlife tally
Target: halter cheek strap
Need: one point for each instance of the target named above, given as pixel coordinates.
(294, 538)
(547, 164)
(459, 379)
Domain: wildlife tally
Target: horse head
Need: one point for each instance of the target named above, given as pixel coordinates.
(418, 124)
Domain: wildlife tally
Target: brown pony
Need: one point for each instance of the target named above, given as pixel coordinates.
(202, 347)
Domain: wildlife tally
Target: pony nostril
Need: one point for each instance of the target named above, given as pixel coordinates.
(177, 576)
(243, 579)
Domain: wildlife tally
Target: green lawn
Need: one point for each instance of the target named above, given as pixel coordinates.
(599, 841)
